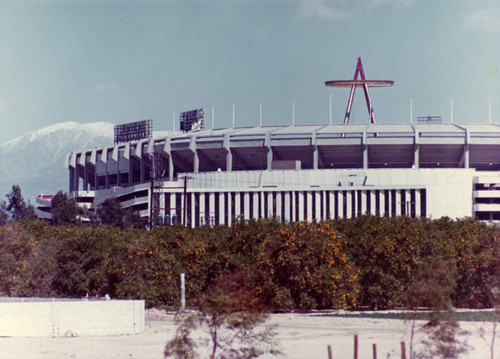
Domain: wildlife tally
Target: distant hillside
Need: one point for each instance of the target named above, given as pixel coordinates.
(36, 159)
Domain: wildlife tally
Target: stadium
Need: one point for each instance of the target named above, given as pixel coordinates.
(296, 173)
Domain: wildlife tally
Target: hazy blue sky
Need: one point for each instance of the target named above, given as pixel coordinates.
(125, 61)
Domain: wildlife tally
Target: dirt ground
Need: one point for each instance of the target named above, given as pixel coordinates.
(299, 335)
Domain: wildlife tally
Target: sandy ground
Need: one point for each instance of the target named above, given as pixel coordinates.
(300, 336)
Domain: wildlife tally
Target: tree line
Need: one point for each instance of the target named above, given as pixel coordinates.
(364, 262)
(66, 211)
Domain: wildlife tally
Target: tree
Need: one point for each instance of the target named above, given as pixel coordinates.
(228, 313)
(432, 288)
(110, 212)
(133, 219)
(4, 217)
(64, 210)
(16, 207)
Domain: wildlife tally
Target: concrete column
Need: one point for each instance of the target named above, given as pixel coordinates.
(382, 203)
(269, 158)
(229, 209)
(278, 207)
(128, 157)
(293, 204)
(373, 202)
(324, 195)
(194, 149)
(202, 209)
(211, 204)
(85, 176)
(96, 177)
(333, 207)
(246, 203)
(270, 204)
(71, 180)
(348, 196)
(315, 158)
(170, 167)
(309, 206)
(256, 207)
(315, 151)
(237, 204)
(229, 154)
(168, 150)
(301, 207)
(356, 195)
(341, 198)
(222, 209)
(398, 202)
(262, 210)
(267, 143)
(196, 162)
(162, 204)
(408, 202)
(365, 150)
(318, 195)
(418, 209)
(141, 163)
(76, 179)
(287, 204)
(416, 156)
(229, 161)
(171, 205)
(364, 202)
(193, 209)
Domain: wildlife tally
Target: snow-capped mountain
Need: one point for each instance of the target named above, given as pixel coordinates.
(35, 160)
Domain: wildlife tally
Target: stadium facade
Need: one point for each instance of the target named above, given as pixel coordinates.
(296, 173)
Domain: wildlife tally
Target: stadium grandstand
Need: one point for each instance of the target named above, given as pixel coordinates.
(296, 173)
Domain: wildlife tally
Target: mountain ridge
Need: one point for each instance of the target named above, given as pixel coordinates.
(35, 160)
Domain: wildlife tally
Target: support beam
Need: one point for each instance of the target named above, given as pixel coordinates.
(267, 143)
(193, 149)
(365, 149)
(416, 150)
(315, 150)
(229, 155)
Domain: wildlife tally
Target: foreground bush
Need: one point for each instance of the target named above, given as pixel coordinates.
(228, 316)
(365, 262)
(27, 259)
(296, 266)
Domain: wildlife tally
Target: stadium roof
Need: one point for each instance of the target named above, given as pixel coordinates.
(335, 146)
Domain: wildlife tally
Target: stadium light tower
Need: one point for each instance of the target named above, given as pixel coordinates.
(362, 82)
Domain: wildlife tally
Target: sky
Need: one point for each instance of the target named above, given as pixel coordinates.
(125, 61)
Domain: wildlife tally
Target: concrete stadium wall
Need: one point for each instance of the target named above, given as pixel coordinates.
(449, 190)
(53, 318)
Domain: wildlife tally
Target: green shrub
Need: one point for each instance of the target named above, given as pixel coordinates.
(361, 262)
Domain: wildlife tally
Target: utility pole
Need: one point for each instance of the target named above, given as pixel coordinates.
(151, 194)
(156, 174)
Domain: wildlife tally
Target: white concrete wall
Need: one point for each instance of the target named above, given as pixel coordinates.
(449, 190)
(68, 318)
